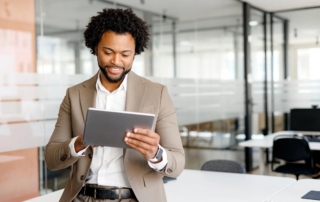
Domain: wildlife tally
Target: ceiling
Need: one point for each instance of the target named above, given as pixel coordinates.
(188, 9)
(277, 5)
(63, 18)
(62, 12)
(306, 23)
(192, 9)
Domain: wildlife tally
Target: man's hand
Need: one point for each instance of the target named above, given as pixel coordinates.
(144, 141)
(78, 145)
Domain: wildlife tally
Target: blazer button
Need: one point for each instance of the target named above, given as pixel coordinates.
(64, 157)
(82, 177)
(169, 170)
(90, 156)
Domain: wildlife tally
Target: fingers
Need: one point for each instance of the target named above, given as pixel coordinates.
(139, 149)
(143, 138)
(138, 144)
(147, 151)
(146, 132)
(144, 141)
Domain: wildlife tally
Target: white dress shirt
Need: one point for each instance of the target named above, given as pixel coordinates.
(107, 162)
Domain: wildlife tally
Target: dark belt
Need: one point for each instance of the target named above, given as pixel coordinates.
(103, 193)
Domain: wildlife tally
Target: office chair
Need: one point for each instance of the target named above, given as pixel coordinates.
(292, 148)
(224, 166)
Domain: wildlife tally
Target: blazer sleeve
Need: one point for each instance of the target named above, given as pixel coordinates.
(57, 153)
(170, 139)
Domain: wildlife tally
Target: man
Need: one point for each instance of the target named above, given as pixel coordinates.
(101, 174)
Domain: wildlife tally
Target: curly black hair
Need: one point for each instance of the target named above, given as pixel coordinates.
(120, 21)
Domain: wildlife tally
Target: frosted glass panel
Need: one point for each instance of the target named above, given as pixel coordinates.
(258, 96)
(30, 104)
(199, 101)
(29, 107)
(296, 94)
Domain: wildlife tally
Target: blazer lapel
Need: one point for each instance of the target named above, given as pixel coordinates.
(88, 95)
(136, 89)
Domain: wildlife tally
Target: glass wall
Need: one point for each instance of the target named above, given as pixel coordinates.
(163, 35)
(209, 68)
(300, 90)
(200, 60)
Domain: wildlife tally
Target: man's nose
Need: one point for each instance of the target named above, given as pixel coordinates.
(116, 60)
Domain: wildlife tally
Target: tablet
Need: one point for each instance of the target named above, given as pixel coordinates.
(109, 128)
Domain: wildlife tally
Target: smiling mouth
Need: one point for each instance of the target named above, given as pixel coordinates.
(115, 70)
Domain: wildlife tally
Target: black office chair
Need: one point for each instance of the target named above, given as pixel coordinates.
(224, 166)
(293, 148)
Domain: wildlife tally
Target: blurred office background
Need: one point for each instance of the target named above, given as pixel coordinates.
(225, 89)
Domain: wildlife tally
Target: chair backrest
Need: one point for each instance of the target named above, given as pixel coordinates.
(291, 148)
(224, 166)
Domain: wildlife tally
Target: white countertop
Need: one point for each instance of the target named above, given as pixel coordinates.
(294, 192)
(194, 185)
(52, 197)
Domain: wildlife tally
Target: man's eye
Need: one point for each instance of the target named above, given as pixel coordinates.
(107, 53)
(125, 56)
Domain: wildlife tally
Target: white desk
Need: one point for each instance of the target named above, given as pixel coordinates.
(194, 185)
(294, 192)
(52, 197)
(267, 142)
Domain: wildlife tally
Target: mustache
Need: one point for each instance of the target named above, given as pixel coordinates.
(114, 66)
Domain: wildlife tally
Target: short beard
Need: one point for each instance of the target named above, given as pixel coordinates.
(105, 73)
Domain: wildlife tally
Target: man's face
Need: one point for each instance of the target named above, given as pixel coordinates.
(115, 53)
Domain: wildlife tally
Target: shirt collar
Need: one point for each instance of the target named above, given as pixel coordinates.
(100, 87)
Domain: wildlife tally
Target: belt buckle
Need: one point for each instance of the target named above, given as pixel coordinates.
(95, 193)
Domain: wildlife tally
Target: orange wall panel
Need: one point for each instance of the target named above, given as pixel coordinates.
(18, 17)
(19, 170)
(19, 179)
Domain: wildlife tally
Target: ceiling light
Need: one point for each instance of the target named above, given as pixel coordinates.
(253, 23)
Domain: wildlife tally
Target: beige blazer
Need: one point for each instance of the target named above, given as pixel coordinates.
(142, 96)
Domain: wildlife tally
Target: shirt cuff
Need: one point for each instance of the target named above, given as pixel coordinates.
(73, 151)
(159, 166)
